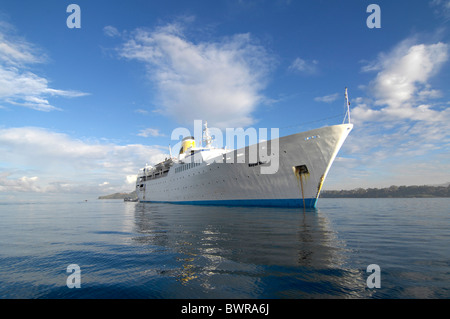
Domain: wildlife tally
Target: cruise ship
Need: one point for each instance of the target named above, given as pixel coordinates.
(288, 171)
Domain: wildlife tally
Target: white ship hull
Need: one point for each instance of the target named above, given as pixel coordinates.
(304, 162)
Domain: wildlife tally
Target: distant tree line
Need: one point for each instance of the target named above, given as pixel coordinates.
(393, 191)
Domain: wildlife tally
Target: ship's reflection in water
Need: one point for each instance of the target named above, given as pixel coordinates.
(242, 252)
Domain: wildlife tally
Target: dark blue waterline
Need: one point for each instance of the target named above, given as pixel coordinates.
(288, 202)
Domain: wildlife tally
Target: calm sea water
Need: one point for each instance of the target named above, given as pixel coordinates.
(135, 250)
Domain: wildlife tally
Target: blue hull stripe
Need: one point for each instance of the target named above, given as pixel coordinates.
(289, 202)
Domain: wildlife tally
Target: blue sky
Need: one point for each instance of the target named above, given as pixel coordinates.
(81, 109)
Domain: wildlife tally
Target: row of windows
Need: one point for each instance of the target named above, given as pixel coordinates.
(185, 167)
(154, 175)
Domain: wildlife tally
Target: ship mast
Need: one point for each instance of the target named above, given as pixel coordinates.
(206, 137)
(347, 114)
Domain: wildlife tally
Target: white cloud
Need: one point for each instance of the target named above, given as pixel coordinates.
(402, 126)
(22, 184)
(111, 31)
(380, 154)
(131, 179)
(404, 72)
(442, 8)
(15, 50)
(303, 66)
(401, 85)
(220, 82)
(18, 85)
(141, 111)
(40, 160)
(328, 98)
(149, 132)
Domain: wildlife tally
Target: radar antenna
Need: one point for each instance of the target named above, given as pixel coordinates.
(206, 137)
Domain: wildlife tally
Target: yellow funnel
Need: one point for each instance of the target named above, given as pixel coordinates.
(187, 143)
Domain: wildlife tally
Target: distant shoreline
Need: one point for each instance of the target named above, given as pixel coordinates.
(131, 195)
(415, 191)
(421, 191)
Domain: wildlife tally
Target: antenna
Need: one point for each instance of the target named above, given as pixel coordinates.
(206, 137)
(170, 151)
(348, 106)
